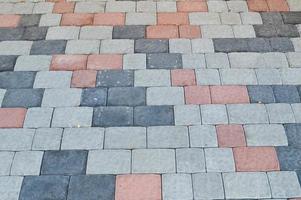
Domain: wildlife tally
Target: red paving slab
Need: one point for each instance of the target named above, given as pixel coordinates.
(192, 6)
(230, 136)
(9, 21)
(109, 19)
(183, 77)
(138, 187)
(12, 117)
(279, 5)
(105, 61)
(172, 18)
(83, 78)
(162, 31)
(64, 7)
(189, 31)
(68, 62)
(256, 159)
(76, 19)
(258, 5)
(229, 94)
(197, 95)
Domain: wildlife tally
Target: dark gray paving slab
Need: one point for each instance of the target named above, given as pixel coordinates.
(286, 94)
(293, 133)
(262, 93)
(230, 45)
(271, 18)
(289, 158)
(23, 98)
(258, 45)
(10, 80)
(164, 61)
(48, 47)
(287, 30)
(291, 17)
(93, 97)
(67, 162)
(113, 116)
(128, 32)
(44, 188)
(11, 33)
(35, 33)
(122, 78)
(30, 20)
(153, 115)
(265, 30)
(7, 63)
(151, 46)
(281, 44)
(91, 187)
(126, 96)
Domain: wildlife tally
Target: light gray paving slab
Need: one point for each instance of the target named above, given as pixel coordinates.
(167, 137)
(153, 161)
(62, 33)
(187, 115)
(109, 162)
(27, 163)
(238, 77)
(241, 185)
(125, 138)
(179, 46)
(121, 6)
(10, 187)
(51, 19)
(61, 97)
(217, 6)
(284, 184)
(6, 162)
(268, 76)
(134, 61)
(291, 76)
(89, 7)
(83, 138)
(202, 136)
(2, 93)
(217, 60)
(193, 61)
(280, 113)
(152, 78)
(177, 187)
(38, 117)
(15, 47)
(247, 114)
(166, 6)
(47, 139)
(96, 32)
(217, 31)
(207, 77)
(207, 186)
(265, 135)
(16, 139)
(203, 18)
(33, 63)
(122, 46)
(202, 46)
(53, 79)
(297, 111)
(43, 7)
(250, 18)
(143, 18)
(82, 47)
(219, 160)
(214, 114)
(72, 117)
(190, 160)
(165, 96)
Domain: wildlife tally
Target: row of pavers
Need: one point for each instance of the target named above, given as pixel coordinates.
(127, 43)
(15, 7)
(277, 19)
(201, 56)
(108, 116)
(252, 185)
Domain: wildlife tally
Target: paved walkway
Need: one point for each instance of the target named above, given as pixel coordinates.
(148, 100)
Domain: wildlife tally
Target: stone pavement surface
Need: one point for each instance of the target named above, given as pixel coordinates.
(150, 100)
